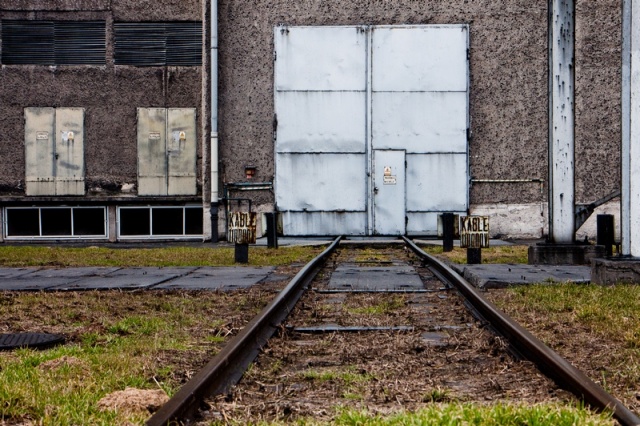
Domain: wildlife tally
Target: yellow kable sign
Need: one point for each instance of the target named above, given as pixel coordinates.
(474, 231)
(242, 228)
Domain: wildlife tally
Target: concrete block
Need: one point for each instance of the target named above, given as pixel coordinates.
(615, 270)
(564, 254)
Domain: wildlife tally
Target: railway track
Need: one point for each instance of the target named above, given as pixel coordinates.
(382, 325)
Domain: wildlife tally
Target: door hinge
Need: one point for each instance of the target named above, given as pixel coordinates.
(275, 126)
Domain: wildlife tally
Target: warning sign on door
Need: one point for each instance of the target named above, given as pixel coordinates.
(388, 178)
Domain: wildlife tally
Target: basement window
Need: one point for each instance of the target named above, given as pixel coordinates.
(160, 222)
(55, 222)
(26, 42)
(158, 43)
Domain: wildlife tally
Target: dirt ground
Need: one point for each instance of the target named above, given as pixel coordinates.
(444, 355)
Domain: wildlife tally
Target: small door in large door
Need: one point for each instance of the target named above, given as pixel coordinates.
(389, 192)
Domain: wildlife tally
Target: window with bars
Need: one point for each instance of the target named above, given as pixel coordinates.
(26, 42)
(158, 43)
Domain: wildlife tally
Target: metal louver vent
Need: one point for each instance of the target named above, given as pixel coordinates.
(53, 42)
(158, 43)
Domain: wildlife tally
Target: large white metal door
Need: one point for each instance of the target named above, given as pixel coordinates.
(389, 212)
(344, 95)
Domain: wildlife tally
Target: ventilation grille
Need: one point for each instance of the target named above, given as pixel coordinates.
(158, 43)
(53, 42)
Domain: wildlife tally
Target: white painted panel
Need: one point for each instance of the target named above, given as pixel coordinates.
(324, 223)
(69, 151)
(420, 122)
(389, 192)
(320, 58)
(321, 122)
(181, 151)
(39, 144)
(422, 58)
(437, 182)
(152, 158)
(423, 223)
(321, 182)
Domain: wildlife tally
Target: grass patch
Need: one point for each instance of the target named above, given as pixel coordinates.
(596, 327)
(609, 311)
(470, 414)
(371, 255)
(60, 256)
(497, 254)
(384, 307)
(115, 340)
(347, 377)
(463, 414)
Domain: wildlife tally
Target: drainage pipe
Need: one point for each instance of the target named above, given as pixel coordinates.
(214, 121)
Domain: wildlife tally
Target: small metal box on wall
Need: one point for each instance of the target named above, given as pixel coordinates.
(166, 151)
(54, 151)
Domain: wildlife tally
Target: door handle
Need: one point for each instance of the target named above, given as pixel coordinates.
(375, 189)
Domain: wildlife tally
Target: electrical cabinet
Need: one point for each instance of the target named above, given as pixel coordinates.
(166, 151)
(54, 151)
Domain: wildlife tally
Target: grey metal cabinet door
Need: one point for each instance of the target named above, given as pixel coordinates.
(54, 151)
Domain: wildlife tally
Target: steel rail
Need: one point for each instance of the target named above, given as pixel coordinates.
(547, 360)
(227, 367)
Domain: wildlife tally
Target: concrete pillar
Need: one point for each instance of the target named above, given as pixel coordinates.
(630, 211)
(561, 122)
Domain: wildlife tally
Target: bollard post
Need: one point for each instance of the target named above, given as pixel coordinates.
(272, 229)
(605, 233)
(242, 253)
(447, 231)
(474, 256)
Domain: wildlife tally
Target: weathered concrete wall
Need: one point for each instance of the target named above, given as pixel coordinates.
(110, 94)
(598, 89)
(508, 88)
(508, 98)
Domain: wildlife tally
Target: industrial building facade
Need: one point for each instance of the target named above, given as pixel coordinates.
(357, 118)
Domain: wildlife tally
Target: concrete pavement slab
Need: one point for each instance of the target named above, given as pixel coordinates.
(353, 277)
(218, 278)
(34, 279)
(41, 284)
(15, 272)
(504, 275)
(125, 278)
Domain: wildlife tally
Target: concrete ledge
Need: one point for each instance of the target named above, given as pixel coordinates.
(488, 276)
(564, 254)
(615, 270)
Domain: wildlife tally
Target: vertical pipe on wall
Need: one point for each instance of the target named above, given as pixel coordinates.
(214, 121)
(561, 144)
(625, 218)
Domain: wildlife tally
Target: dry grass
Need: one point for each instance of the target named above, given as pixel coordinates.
(497, 254)
(114, 340)
(61, 256)
(596, 328)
